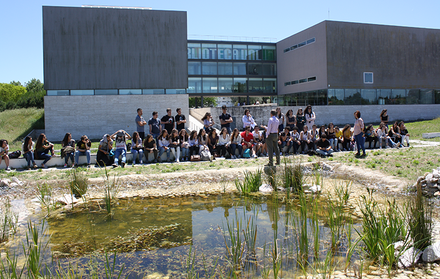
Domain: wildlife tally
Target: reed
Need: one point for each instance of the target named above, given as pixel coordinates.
(8, 222)
(111, 189)
(234, 244)
(252, 182)
(420, 220)
(78, 182)
(293, 178)
(45, 196)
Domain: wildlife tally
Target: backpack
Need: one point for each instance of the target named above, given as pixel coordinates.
(247, 153)
(14, 154)
(205, 155)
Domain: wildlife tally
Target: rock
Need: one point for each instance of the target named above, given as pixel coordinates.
(5, 182)
(265, 188)
(13, 185)
(409, 257)
(15, 179)
(398, 245)
(428, 177)
(431, 253)
(419, 179)
(315, 189)
(67, 199)
(437, 193)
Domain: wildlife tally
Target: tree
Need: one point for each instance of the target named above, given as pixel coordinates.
(17, 83)
(34, 85)
(207, 102)
(10, 92)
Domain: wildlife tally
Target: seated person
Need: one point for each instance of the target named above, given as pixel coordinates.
(394, 134)
(224, 142)
(338, 138)
(184, 144)
(68, 149)
(314, 133)
(404, 133)
(175, 144)
(212, 142)
(28, 152)
(120, 137)
(323, 146)
(193, 143)
(259, 142)
(346, 137)
(306, 140)
(137, 148)
(4, 149)
(384, 139)
(331, 136)
(248, 141)
(104, 156)
(150, 147)
(42, 149)
(83, 149)
(371, 136)
(295, 140)
(284, 140)
(164, 145)
(236, 143)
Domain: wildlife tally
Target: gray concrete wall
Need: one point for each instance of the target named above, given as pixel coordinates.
(107, 48)
(98, 115)
(339, 115)
(399, 57)
(307, 61)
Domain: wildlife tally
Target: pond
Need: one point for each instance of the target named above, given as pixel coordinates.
(206, 235)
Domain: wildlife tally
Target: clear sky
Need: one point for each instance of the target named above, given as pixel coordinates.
(21, 54)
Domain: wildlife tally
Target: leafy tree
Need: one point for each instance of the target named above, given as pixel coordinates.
(207, 102)
(34, 85)
(10, 92)
(17, 83)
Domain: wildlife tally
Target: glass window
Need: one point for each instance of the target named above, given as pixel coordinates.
(270, 85)
(383, 96)
(225, 85)
(303, 80)
(312, 40)
(254, 52)
(240, 69)
(368, 77)
(58, 92)
(225, 68)
(240, 85)
(210, 85)
(106, 91)
(352, 97)
(269, 53)
(255, 69)
(194, 85)
(194, 68)
(209, 68)
(335, 96)
(153, 91)
(294, 47)
(269, 69)
(398, 96)
(437, 96)
(427, 97)
(322, 97)
(413, 96)
(255, 85)
(295, 81)
(368, 96)
(287, 83)
(81, 92)
(209, 51)
(311, 79)
(175, 91)
(302, 44)
(130, 91)
(239, 52)
(225, 52)
(194, 51)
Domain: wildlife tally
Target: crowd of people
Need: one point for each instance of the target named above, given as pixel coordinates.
(285, 134)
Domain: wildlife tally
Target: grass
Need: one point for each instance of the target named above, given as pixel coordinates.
(252, 181)
(416, 129)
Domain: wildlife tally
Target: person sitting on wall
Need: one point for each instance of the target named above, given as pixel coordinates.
(295, 140)
(346, 137)
(28, 152)
(236, 143)
(150, 147)
(193, 143)
(224, 142)
(137, 148)
(83, 149)
(164, 145)
(323, 146)
(248, 120)
(42, 149)
(259, 143)
(120, 137)
(68, 149)
(4, 149)
(371, 136)
(212, 142)
(306, 140)
(284, 140)
(104, 156)
(404, 132)
(248, 141)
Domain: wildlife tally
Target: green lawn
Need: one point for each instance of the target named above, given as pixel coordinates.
(416, 129)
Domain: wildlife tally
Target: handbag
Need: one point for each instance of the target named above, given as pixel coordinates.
(195, 158)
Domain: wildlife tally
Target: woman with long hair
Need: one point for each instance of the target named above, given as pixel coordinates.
(248, 120)
(164, 143)
(4, 149)
(150, 147)
(137, 148)
(104, 156)
(43, 147)
(300, 119)
(193, 143)
(290, 120)
(358, 133)
(28, 152)
(213, 142)
(68, 149)
(208, 122)
(236, 143)
(224, 142)
(175, 144)
(384, 117)
(280, 117)
(184, 144)
(310, 117)
(346, 137)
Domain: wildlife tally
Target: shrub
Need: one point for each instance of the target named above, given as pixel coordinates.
(78, 183)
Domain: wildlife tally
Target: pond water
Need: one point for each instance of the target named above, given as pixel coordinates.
(227, 234)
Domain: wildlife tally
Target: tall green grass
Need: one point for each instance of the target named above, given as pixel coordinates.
(420, 220)
(251, 183)
(8, 222)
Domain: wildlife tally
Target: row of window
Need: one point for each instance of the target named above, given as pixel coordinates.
(232, 85)
(361, 97)
(303, 80)
(231, 51)
(229, 68)
(114, 92)
(309, 41)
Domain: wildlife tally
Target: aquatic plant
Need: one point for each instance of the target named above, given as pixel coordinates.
(45, 196)
(293, 178)
(8, 222)
(251, 183)
(420, 220)
(111, 189)
(78, 182)
(234, 245)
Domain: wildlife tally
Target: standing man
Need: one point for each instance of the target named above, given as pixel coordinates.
(272, 138)
(180, 120)
(168, 121)
(155, 127)
(225, 119)
(140, 123)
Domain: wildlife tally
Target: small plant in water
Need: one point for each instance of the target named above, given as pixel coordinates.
(111, 189)
(45, 196)
(8, 222)
(252, 181)
(78, 183)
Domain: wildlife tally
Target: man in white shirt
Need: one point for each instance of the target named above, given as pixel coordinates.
(272, 138)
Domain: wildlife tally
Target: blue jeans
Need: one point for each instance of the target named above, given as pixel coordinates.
(360, 141)
(135, 153)
(44, 156)
(325, 153)
(67, 156)
(185, 152)
(79, 153)
(29, 156)
(162, 150)
(119, 152)
(234, 147)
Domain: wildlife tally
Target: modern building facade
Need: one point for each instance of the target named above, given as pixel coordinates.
(342, 63)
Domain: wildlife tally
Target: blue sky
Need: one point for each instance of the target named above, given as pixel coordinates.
(21, 55)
